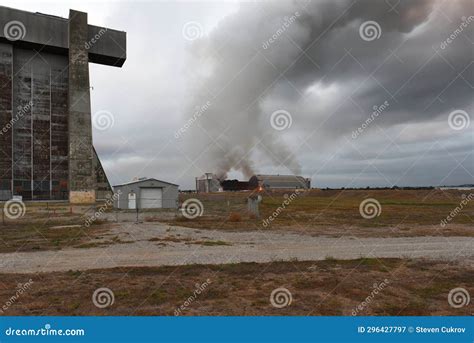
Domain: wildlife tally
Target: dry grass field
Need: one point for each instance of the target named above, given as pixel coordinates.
(336, 213)
(327, 287)
(330, 287)
(38, 237)
(51, 226)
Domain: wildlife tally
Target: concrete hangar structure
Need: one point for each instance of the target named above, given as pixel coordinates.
(209, 183)
(46, 150)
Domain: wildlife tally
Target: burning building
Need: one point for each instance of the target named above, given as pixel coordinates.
(272, 182)
(210, 183)
(235, 185)
(46, 150)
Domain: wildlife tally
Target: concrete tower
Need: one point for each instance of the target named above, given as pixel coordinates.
(46, 149)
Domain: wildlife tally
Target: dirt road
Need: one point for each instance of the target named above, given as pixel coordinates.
(153, 244)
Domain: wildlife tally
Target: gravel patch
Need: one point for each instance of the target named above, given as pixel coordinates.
(154, 244)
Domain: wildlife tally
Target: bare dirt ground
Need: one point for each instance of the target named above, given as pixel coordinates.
(153, 244)
(329, 287)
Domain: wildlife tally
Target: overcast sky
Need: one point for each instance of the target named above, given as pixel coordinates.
(349, 93)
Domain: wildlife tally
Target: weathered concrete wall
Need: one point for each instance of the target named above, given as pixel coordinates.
(82, 182)
(33, 119)
(60, 129)
(50, 34)
(45, 113)
(6, 65)
(82, 197)
(40, 130)
(104, 190)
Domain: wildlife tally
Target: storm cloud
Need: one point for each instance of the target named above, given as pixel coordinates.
(312, 62)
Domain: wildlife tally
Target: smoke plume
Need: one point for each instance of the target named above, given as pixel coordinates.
(310, 60)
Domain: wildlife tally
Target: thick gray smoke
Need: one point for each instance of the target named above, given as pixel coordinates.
(298, 56)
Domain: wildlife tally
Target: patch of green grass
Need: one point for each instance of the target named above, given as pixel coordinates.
(435, 290)
(75, 305)
(159, 296)
(419, 204)
(366, 261)
(182, 293)
(74, 273)
(122, 293)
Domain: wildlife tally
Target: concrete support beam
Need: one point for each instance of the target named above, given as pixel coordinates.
(49, 33)
(82, 183)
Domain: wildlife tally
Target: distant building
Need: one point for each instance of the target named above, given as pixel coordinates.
(208, 183)
(279, 182)
(235, 185)
(146, 193)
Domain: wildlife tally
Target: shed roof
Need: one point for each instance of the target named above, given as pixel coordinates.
(144, 180)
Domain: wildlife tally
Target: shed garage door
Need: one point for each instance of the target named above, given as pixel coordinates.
(151, 197)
